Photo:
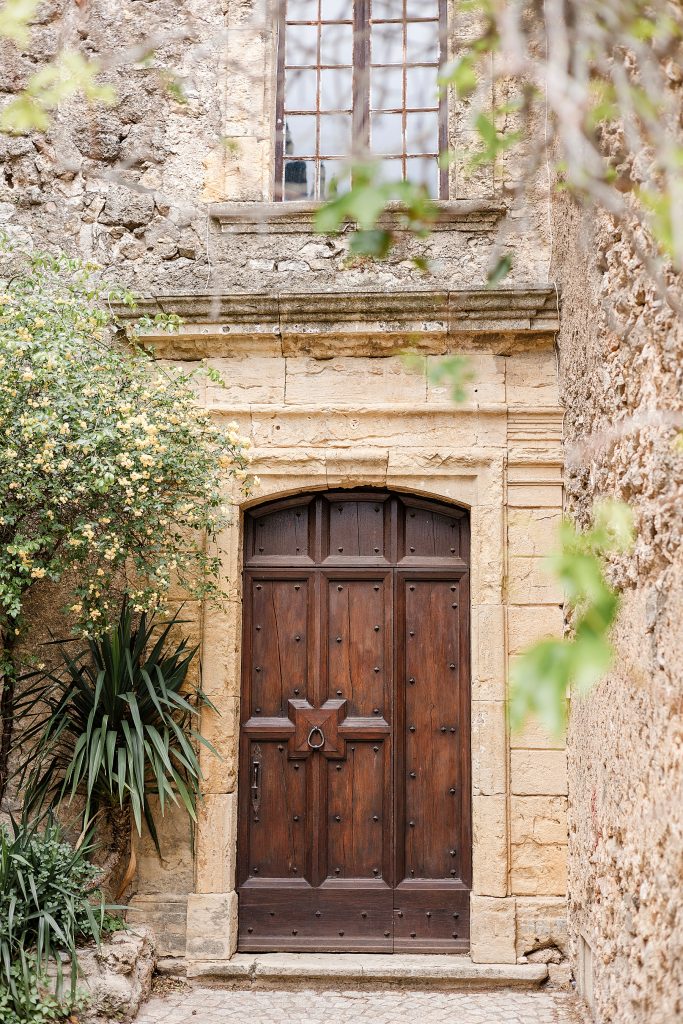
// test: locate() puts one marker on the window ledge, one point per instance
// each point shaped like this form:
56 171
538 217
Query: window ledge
297 218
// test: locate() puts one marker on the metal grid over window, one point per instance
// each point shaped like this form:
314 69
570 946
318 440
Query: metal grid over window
358 76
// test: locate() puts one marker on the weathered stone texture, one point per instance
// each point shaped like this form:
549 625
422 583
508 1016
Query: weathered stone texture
493 930
116 977
131 186
309 344
621 357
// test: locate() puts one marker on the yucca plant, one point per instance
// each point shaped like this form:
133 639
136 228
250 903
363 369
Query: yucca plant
115 725
44 911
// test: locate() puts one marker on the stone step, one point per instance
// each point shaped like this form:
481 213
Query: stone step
356 970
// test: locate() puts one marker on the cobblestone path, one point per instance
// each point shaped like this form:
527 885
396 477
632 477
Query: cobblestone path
211 1006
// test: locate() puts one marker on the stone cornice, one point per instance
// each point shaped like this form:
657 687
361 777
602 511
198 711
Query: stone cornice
297 218
357 323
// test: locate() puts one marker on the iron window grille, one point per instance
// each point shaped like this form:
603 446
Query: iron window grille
358 77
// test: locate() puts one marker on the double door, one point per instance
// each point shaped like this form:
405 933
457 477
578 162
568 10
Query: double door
355 820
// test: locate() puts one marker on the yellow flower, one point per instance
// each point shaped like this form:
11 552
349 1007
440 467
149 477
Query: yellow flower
37 574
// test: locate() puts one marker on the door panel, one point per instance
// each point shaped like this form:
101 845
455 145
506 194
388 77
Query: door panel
278 845
356 812
433 735
354 788
356 528
359 641
280 651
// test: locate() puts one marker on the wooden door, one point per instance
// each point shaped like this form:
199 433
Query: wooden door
355 820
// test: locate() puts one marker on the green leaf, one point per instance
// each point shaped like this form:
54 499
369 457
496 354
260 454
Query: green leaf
462 75
500 271
15 18
376 243
542 675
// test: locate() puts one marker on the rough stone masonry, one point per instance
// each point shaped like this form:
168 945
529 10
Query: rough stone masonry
172 197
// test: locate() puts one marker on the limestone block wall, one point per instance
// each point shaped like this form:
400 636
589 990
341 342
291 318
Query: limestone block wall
322 421
621 353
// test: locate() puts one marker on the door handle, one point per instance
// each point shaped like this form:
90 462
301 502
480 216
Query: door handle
321 734
255 785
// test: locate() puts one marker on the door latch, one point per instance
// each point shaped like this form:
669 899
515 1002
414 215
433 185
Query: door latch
256 780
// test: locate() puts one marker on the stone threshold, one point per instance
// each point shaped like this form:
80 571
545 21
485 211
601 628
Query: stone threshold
362 970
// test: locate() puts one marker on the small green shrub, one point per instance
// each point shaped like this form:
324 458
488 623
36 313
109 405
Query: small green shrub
32 1001
44 912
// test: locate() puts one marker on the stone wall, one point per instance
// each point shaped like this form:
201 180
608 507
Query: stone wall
621 359
323 421
173 198
136 186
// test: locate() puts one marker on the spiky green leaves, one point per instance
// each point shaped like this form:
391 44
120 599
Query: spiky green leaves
122 724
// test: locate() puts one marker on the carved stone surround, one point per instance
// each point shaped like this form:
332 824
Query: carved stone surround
500 455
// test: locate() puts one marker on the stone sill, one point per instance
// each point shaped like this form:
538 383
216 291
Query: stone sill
306 970
297 218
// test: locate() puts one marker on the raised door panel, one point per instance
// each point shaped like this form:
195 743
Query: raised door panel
433 786
280 620
279 826
282 536
358 812
357 634
356 529
428 535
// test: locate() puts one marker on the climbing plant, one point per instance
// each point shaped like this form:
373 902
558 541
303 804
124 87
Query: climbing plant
109 470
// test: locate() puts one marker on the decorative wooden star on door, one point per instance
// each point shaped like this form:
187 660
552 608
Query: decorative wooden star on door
326 729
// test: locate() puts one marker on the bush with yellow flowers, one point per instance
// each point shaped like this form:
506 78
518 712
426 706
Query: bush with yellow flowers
107 463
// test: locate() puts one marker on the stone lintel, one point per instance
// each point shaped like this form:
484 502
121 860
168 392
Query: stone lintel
376 323
298 217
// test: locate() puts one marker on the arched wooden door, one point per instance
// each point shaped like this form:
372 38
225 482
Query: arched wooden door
355 816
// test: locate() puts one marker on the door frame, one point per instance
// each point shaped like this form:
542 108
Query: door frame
476 483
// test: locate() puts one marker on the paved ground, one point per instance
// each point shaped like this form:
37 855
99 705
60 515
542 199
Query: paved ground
196 1006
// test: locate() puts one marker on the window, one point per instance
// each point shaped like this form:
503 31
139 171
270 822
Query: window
358 76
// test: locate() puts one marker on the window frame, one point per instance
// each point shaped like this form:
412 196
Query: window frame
361 102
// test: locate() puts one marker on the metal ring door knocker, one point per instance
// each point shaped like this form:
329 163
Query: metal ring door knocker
316 746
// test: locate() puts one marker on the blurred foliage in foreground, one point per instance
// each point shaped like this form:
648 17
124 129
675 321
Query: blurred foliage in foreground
541 679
